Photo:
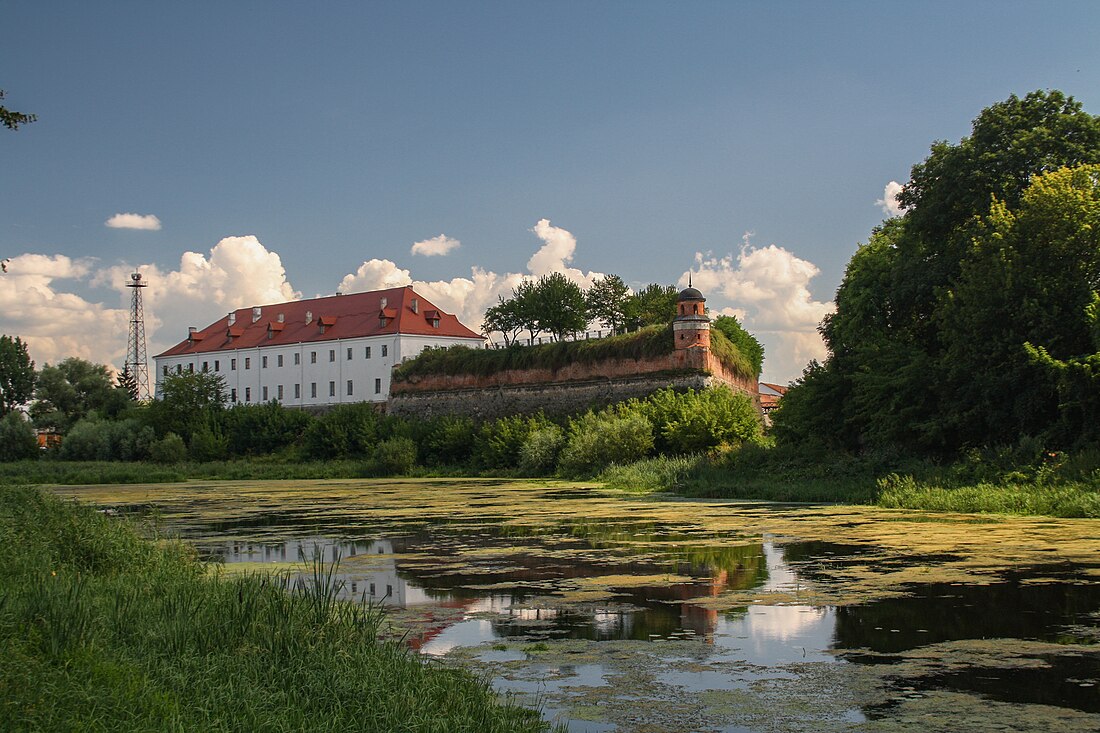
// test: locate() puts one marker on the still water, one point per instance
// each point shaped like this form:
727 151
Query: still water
617 613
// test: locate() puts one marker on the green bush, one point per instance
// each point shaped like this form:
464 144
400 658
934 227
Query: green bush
539 454
499 442
208 444
695 422
17 439
597 440
258 430
394 457
345 431
448 441
169 449
93 439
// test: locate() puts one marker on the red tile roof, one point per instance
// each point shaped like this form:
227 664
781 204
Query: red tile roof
777 387
343 316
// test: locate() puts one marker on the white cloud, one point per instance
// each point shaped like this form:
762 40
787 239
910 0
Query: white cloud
469 297
134 221
768 288
889 200
56 324
436 246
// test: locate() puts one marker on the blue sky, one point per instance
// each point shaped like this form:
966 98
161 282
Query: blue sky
334 135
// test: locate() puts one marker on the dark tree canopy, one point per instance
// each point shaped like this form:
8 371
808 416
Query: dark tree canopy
12 119
607 302
72 390
652 305
560 305
16 374
998 249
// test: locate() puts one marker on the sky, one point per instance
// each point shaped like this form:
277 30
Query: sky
245 153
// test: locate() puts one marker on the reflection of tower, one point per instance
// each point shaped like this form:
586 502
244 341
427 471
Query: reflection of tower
137 363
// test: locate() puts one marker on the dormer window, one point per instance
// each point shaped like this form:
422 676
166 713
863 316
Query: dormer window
432 317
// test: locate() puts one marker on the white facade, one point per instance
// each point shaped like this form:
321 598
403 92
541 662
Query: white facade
308 374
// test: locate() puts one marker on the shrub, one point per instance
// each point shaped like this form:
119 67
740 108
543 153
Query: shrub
17 439
448 441
499 441
394 457
92 439
539 454
169 449
597 440
208 444
695 422
262 429
347 430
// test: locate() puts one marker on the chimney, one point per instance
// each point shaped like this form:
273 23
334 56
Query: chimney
309 317
282 318
232 318
191 330
256 312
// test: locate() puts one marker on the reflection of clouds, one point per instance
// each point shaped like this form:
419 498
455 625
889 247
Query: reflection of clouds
465 633
783 623
780 575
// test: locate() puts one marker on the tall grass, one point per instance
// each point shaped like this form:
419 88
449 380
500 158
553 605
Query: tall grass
101 630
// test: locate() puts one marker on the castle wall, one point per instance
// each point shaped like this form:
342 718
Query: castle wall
570 389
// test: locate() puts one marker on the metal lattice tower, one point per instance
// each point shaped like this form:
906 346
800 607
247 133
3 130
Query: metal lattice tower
137 361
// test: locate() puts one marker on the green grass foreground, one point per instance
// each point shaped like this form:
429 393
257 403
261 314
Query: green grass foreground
101 630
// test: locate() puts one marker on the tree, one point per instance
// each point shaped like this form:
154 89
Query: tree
505 318
560 303
607 300
652 305
12 119
127 381
16 374
188 402
71 390
926 345
17 439
745 342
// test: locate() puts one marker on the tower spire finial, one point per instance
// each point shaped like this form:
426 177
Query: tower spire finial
689 278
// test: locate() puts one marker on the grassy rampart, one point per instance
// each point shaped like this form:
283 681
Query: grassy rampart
101 630
649 342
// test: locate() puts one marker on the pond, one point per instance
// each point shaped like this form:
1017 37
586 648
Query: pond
618 613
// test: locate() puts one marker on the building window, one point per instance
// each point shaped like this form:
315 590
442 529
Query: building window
332 389
179 368
247 394
205 367
232 365
368 352
279 360
265 393
332 354
165 370
297 358
349 353
263 362
297 391
372 589
349 388
313 389
378 386
233 395
191 367
248 362
217 365
280 392
385 350
313 357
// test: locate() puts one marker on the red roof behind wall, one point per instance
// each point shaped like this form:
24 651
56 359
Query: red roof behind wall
344 316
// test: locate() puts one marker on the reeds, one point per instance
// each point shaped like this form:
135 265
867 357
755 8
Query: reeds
101 630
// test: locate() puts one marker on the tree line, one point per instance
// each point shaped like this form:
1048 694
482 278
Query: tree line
973 319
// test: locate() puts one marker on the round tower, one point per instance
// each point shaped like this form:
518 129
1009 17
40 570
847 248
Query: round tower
691 327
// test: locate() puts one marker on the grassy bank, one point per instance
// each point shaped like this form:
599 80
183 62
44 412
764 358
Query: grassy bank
1021 480
102 630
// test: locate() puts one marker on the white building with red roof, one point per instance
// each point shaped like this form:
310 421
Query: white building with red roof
317 352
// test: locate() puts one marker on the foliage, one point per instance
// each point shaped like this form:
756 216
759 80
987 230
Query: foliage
169 449
597 440
500 441
506 318
127 381
96 439
539 454
997 249
607 302
17 439
346 430
12 119
560 305
74 389
102 630
448 441
262 428
188 401
653 305
745 342
208 443
16 374
695 422
394 457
